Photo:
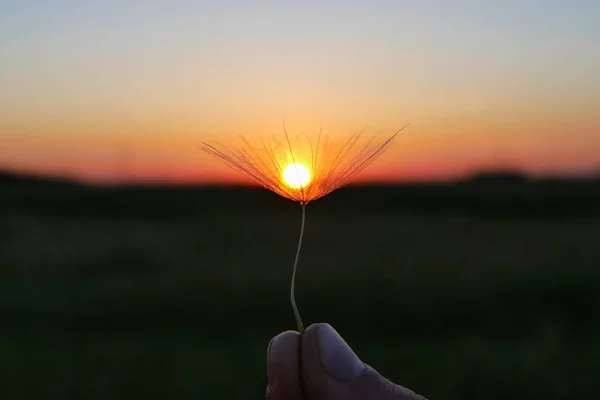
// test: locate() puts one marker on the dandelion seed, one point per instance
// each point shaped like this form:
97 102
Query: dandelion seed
301 171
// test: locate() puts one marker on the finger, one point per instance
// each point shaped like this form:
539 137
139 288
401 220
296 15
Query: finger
282 367
332 370
329 364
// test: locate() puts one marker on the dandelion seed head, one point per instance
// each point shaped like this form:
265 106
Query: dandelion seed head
300 168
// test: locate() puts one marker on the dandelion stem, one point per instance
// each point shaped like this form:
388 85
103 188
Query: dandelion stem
293 285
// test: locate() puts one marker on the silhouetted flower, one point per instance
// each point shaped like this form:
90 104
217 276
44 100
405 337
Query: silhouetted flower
300 170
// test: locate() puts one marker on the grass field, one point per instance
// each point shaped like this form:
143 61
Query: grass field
453 307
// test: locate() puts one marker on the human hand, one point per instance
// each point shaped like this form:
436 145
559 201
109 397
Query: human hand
330 370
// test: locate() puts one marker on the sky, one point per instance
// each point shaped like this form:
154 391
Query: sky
127 90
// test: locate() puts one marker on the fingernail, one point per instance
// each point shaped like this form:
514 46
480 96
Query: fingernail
336 356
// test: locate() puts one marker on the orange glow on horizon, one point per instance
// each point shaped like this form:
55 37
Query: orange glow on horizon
501 92
423 152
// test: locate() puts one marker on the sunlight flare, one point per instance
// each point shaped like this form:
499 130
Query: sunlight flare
296 176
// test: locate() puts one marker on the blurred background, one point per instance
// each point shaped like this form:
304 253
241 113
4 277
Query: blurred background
463 264
484 288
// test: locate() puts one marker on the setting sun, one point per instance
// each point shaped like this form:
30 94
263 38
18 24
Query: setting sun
296 176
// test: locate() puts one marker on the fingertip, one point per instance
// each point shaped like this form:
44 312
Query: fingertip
281 345
310 345
332 370
310 349
315 377
332 353
282 365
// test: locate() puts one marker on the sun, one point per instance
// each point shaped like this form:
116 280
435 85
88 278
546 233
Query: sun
296 176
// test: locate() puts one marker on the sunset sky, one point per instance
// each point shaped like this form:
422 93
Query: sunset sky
127 90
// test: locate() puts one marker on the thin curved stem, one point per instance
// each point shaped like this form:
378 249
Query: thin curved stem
293 285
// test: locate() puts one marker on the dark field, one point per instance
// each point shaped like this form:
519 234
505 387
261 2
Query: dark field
149 294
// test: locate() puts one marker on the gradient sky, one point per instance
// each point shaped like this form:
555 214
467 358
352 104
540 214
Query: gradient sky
120 90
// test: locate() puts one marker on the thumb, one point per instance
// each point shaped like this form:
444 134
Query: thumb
332 370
